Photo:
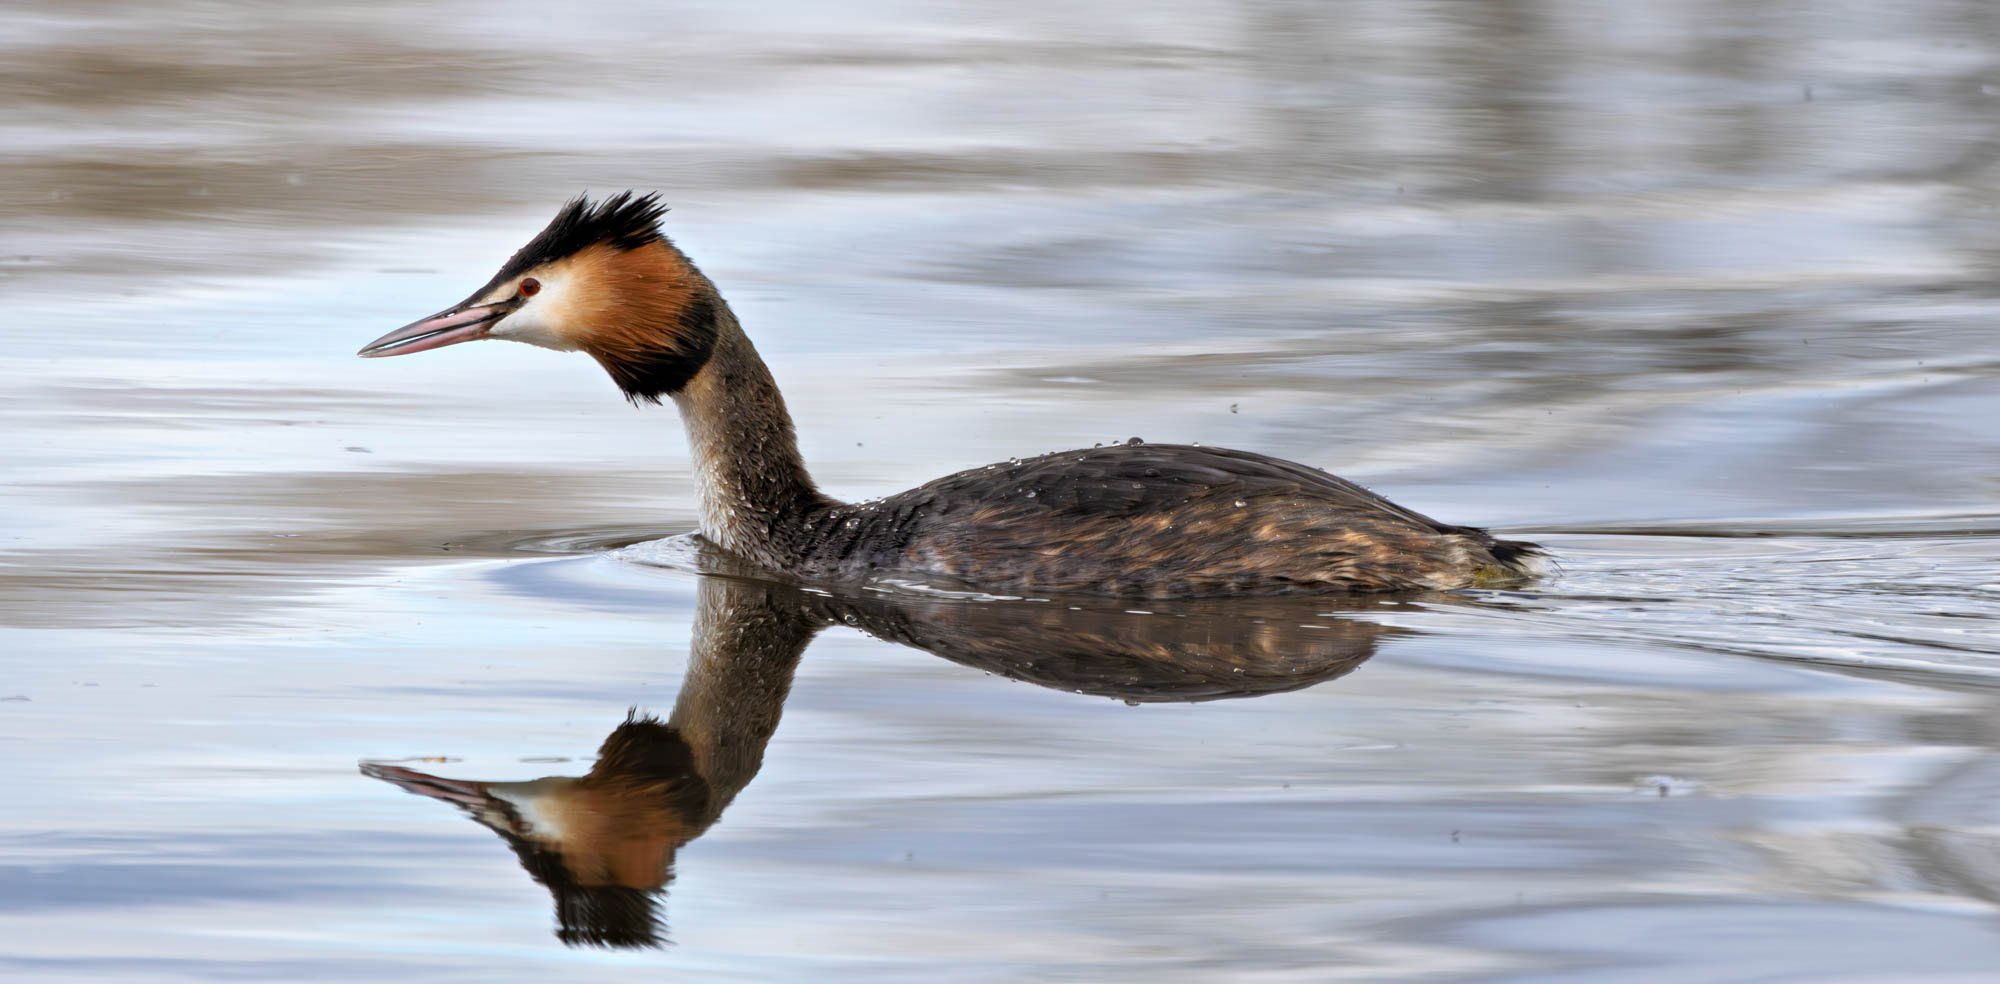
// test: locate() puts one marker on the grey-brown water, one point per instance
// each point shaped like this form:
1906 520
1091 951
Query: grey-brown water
1700 294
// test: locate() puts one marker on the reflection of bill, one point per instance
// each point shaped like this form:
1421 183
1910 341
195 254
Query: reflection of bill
603 843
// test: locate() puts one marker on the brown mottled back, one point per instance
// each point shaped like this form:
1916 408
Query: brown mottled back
1160 520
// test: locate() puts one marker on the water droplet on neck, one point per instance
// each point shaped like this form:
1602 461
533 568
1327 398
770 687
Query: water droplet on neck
1131 442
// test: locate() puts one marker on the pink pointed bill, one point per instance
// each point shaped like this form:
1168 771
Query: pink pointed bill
460 791
438 330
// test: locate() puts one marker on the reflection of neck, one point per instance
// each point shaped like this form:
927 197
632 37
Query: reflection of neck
755 493
747 640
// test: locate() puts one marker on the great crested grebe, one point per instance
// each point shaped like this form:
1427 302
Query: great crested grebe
1149 519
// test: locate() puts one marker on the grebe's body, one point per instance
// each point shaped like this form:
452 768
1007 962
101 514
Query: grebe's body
1147 519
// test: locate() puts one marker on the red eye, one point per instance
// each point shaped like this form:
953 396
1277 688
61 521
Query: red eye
530 287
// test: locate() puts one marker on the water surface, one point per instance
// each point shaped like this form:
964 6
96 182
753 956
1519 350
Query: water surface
1700 295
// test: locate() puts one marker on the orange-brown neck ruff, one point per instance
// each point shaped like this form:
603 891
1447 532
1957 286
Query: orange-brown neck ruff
653 318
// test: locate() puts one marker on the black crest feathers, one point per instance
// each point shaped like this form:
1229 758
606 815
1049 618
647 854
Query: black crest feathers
622 221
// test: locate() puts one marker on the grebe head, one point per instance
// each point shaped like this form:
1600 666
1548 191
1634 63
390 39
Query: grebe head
601 279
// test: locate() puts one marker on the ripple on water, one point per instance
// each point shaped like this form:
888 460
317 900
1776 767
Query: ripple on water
1896 600
1911 600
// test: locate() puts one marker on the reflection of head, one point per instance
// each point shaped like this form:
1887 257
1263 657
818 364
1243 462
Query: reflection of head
602 843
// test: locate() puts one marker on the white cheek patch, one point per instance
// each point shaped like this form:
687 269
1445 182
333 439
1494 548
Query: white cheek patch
526 325
535 806
537 321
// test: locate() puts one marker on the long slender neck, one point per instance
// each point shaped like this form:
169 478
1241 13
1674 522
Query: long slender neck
748 636
755 493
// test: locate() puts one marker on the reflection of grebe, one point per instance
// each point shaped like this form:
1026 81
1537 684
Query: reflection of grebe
1162 520
604 843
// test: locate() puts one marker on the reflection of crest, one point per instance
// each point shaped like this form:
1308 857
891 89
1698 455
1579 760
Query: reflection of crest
604 843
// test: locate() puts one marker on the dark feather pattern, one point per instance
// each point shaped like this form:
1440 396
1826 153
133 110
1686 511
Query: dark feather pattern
612 916
1184 651
623 221
1157 520
646 752
646 374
